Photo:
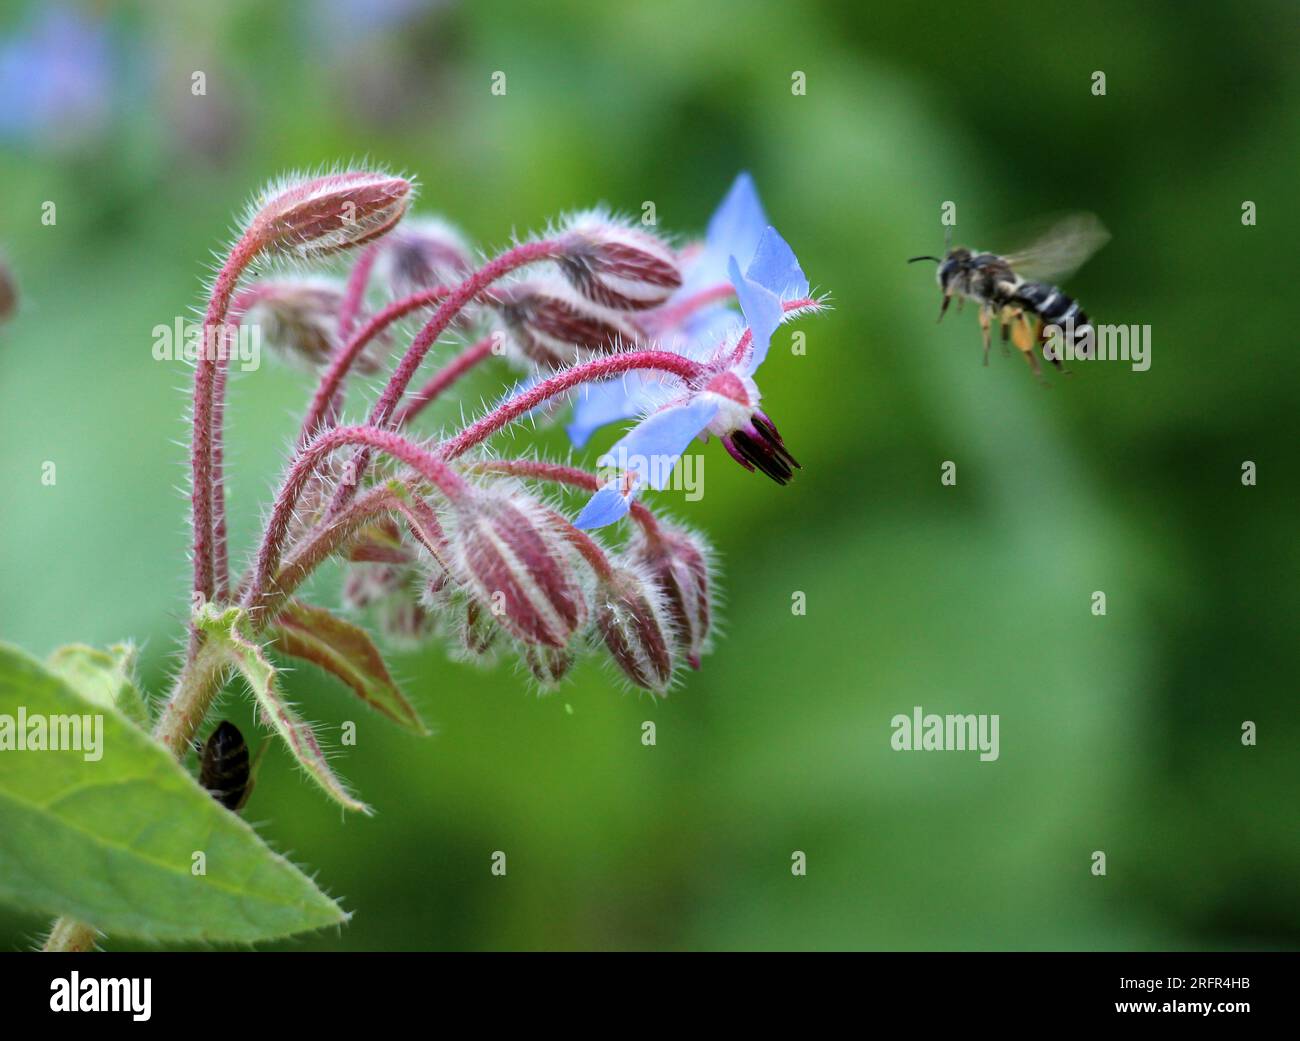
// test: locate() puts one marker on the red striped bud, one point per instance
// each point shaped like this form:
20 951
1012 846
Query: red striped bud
678 563
633 621
616 265
320 215
478 630
508 554
549 325
549 665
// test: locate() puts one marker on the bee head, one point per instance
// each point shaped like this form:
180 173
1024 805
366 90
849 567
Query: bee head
952 266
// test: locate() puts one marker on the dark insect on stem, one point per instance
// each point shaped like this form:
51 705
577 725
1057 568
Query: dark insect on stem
225 769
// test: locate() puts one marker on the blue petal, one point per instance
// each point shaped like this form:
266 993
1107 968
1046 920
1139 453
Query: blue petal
737 224
652 447
605 507
705 330
775 268
597 404
763 313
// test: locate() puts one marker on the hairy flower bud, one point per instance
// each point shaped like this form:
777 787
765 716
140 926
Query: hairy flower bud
616 265
365 585
321 215
421 254
478 631
549 665
634 623
509 555
8 292
549 325
678 563
405 622
381 543
299 321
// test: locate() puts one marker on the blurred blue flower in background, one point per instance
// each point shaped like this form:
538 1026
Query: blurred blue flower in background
56 79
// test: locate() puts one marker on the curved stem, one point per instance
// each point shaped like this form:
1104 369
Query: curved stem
343 360
596 369
304 465
528 253
586 546
558 473
442 379
674 314
207 419
355 290
319 545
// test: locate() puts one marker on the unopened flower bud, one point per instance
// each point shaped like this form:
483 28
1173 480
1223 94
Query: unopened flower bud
299 321
381 543
422 254
365 585
509 555
678 564
549 325
633 621
616 265
549 665
405 622
319 215
478 631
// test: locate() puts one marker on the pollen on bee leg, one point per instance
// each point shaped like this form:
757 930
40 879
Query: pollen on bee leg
1022 334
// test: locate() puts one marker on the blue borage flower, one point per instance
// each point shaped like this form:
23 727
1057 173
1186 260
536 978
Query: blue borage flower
724 399
734 230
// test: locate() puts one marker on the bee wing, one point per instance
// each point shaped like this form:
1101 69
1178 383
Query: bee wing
1064 248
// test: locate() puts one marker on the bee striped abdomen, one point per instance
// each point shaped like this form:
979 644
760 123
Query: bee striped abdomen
1053 307
224 768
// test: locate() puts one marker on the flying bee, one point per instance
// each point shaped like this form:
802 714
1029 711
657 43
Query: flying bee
225 769
1019 289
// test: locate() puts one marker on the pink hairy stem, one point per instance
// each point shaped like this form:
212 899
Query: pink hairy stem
205 504
674 314
354 293
455 302
596 369
557 473
309 456
442 379
343 360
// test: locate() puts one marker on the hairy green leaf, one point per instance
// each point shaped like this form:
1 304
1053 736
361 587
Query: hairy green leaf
229 629
315 635
113 832
103 677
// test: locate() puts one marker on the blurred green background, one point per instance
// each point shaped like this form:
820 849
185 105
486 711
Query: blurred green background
1120 733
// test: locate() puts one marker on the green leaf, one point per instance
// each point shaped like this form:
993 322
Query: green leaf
313 634
108 835
230 629
105 678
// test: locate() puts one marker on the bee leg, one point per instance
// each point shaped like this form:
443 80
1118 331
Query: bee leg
943 307
1005 320
1043 339
985 322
